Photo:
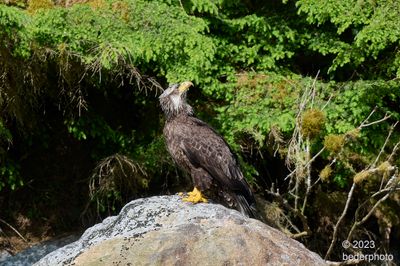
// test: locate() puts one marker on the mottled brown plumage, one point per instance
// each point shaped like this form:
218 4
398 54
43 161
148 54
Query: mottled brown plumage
203 153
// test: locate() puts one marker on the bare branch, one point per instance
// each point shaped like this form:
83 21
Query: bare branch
299 235
368 117
15 230
336 228
384 144
388 190
365 124
296 212
366 217
313 89
394 151
327 102
308 162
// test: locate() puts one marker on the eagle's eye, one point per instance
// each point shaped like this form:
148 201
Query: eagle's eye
171 90
173 100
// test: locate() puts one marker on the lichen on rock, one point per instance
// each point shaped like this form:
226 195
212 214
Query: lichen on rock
164 230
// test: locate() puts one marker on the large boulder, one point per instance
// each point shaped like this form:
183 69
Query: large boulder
31 255
166 231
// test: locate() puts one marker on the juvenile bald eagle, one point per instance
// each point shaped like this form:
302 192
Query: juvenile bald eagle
200 151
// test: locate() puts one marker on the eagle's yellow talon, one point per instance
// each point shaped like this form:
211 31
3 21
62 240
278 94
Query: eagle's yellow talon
195 197
180 194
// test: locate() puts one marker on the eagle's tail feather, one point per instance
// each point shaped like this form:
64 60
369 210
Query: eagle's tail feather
245 208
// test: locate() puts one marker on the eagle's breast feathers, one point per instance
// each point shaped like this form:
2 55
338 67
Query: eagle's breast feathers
203 153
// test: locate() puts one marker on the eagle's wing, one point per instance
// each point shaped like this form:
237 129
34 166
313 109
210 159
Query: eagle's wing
205 148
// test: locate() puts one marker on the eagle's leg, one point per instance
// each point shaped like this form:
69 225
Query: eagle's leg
195 196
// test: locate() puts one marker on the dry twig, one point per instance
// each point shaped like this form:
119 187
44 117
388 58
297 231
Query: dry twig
15 230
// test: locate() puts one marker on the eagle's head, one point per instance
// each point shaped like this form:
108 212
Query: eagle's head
173 100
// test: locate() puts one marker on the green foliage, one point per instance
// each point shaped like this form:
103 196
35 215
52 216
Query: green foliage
5 134
269 102
96 129
264 101
260 102
9 176
15 37
372 25
106 37
171 40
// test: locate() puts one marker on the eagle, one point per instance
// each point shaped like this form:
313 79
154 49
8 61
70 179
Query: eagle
201 152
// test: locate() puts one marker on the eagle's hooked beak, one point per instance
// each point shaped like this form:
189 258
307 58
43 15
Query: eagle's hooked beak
184 86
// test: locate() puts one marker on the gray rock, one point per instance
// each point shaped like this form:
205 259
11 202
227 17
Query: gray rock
166 231
31 255
4 255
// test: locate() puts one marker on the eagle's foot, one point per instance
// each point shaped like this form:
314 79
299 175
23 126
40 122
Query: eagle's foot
195 196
